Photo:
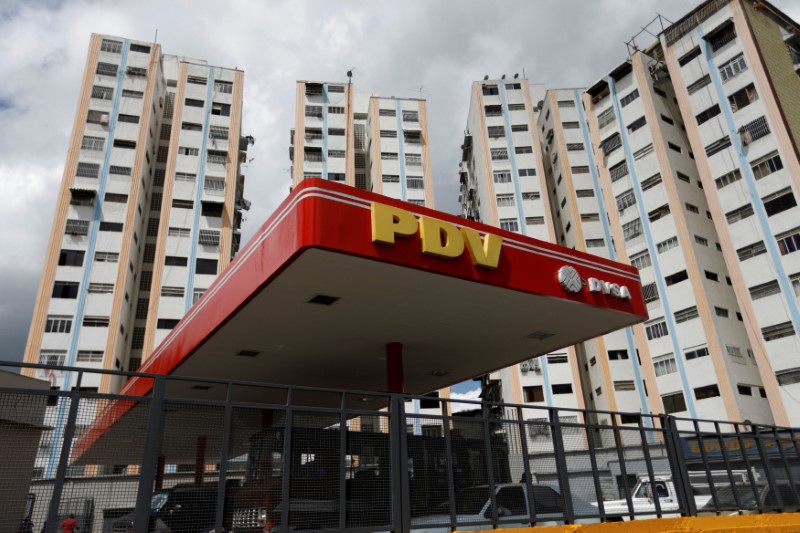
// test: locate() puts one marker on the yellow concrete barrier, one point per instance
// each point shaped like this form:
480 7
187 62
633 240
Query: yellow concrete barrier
766 523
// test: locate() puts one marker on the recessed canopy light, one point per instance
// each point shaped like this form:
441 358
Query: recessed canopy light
323 299
541 335
367 399
248 353
201 387
438 373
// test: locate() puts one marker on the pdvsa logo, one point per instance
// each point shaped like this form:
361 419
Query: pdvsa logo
573 283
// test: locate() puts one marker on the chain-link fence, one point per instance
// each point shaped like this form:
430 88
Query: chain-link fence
203 455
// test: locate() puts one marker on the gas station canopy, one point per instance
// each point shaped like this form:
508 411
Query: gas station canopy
320 290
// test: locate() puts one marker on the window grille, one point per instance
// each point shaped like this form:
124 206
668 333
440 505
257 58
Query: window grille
101 288
209 237
218 132
668 244
496 131
628 98
107 69
499 154
606 117
784 329
197 80
137 340
493 110
611 144
90 356
754 130
752 250
142 306
410 116
186 150
172 292
641 260
102 93
656 330
684 315
179 232
733 68
414 160
113 47
625 200
136 71
219 158
77 227
52 357
336 154
632 229
93 143
214 186
387 112
413 182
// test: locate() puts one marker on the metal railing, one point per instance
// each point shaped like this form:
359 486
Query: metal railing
197 454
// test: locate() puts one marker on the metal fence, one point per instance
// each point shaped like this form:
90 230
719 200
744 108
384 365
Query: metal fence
210 455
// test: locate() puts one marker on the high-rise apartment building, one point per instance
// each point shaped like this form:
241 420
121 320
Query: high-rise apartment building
694 346
734 67
369 142
148 212
503 184
682 160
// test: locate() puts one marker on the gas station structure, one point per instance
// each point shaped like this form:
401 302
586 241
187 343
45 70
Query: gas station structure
346 289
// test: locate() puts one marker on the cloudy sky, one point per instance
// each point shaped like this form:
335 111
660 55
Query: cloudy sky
434 48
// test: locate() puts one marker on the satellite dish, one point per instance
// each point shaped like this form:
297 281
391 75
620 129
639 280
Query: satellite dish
516 75
503 77
540 105
486 77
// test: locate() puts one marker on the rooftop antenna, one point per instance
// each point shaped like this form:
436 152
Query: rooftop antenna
155 39
350 75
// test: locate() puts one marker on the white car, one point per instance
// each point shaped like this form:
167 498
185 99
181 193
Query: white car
473 505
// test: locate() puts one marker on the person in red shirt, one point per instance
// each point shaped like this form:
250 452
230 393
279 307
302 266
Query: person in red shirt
69 525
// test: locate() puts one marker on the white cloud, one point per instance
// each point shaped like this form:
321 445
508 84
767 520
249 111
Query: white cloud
456 407
396 47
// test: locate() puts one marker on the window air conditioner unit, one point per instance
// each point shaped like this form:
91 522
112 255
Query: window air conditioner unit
524 367
104 119
536 366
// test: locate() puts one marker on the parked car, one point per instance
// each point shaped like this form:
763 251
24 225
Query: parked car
473 504
749 499
185 508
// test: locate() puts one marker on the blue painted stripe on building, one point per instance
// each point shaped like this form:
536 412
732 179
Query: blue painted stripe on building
401 151
662 288
612 254
94 226
198 194
511 157
548 389
787 293
324 131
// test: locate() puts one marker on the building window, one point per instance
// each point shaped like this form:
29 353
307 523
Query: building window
527 172
493 110
111 226
668 244
509 224
197 80
414 160
166 323
415 182
699 84
209 237
718 146
71 258
611 143
728 178
676 278
721 312
584 193
641 260
534 221
709 391
95 321
647 150
650 292
752 250
732 68
721 35
219 157
146 280
618 171
595 243
172 292
107 69
673 403
410 116
332 110
754 130
766 165
701 240
743 98
651 182
523 150
106 257
505 200
116 198
174 260
387 113
221 110
499 154
119 171
178 232
789 241
688 57
187 150
778 331
632 229
136 71
192 102
574 147
664 365
389 134
606 117
336 154
624 385
101 288
562 388
361 181
206 266
88 170
389 156
519 127
390 178
628 98
182 204
533 394
712 276
58 324
197 294
90 356
656 330
697 353
741 213
113 47
636 124
625 200
102 93
502 176
52 357
530 196
615 355
779 202
788 377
